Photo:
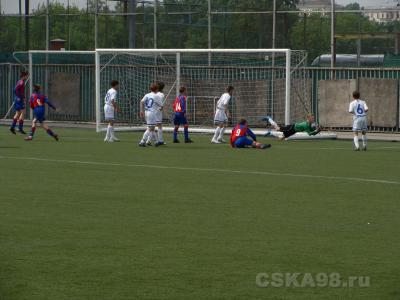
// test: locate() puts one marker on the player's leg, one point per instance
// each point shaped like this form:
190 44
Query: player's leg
145 137
274 125
112 132
49 131
160 135
364 140
260 145
356 143
15 120
177 123
217 132
21 121
186 130
32 131
221 133
287 131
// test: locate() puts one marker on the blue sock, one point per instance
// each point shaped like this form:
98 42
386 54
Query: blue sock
50 132
14 123
21 125
32 132
175 134
186 132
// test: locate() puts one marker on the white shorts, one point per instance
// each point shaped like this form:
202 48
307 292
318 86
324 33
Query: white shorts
159 116
220 116
151 118
360 124
109 112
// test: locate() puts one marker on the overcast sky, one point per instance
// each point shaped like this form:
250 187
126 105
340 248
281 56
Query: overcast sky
11 6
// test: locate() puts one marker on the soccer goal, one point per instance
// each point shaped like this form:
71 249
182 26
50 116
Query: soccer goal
267 82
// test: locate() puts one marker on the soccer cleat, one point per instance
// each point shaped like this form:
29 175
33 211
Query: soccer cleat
364 148
214 141
222 141
142 145
158 144
21 131
114 139
265 146
356 149
106 139
28 138
149 144
268 133
12 129
176 141
266 118
188 141
56 137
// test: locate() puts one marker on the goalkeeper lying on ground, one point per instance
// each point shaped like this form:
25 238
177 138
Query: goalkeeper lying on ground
308 126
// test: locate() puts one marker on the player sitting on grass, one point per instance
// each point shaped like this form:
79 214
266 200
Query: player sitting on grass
221 116
110 107
149 105
19 104
359 110
37 103
239 137
309 126
159 115
180 116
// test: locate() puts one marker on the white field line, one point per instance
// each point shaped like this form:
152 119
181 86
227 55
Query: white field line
210 170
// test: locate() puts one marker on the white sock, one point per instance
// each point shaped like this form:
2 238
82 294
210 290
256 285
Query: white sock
112 135
221 133
145 136
148 136
272 122
160 135
356 142
364 140
108 134
154 136
216 134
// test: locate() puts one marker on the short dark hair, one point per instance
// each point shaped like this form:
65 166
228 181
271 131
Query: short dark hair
114 83
182 89
36 87
229 88
356 95
242 121
23 74
153 87
160 85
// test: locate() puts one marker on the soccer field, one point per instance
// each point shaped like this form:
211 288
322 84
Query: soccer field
84 219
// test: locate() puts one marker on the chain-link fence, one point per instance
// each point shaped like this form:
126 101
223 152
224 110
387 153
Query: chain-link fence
295 24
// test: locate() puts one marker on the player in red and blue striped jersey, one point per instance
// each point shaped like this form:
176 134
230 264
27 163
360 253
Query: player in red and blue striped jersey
180 116
38 103
240 134
19 104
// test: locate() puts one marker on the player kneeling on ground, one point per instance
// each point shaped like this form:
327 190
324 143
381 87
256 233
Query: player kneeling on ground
309 126
359 110
37 103
239 137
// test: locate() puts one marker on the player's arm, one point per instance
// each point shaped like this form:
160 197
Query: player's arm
251 134
366 107
115 104
47 101
142 106
351 108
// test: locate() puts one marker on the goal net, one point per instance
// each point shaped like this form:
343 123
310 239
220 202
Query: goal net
267 82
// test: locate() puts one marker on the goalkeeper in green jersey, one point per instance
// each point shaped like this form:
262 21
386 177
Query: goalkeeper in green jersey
309 126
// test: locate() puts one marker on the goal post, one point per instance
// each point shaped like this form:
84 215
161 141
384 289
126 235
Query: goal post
267 82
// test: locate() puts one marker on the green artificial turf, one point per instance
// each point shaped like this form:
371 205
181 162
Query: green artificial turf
84 219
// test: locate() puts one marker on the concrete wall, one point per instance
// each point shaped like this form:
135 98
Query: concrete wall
334 97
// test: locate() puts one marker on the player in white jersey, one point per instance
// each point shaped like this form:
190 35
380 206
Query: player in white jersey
110 107
221 116
149 106
159 116
359 110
